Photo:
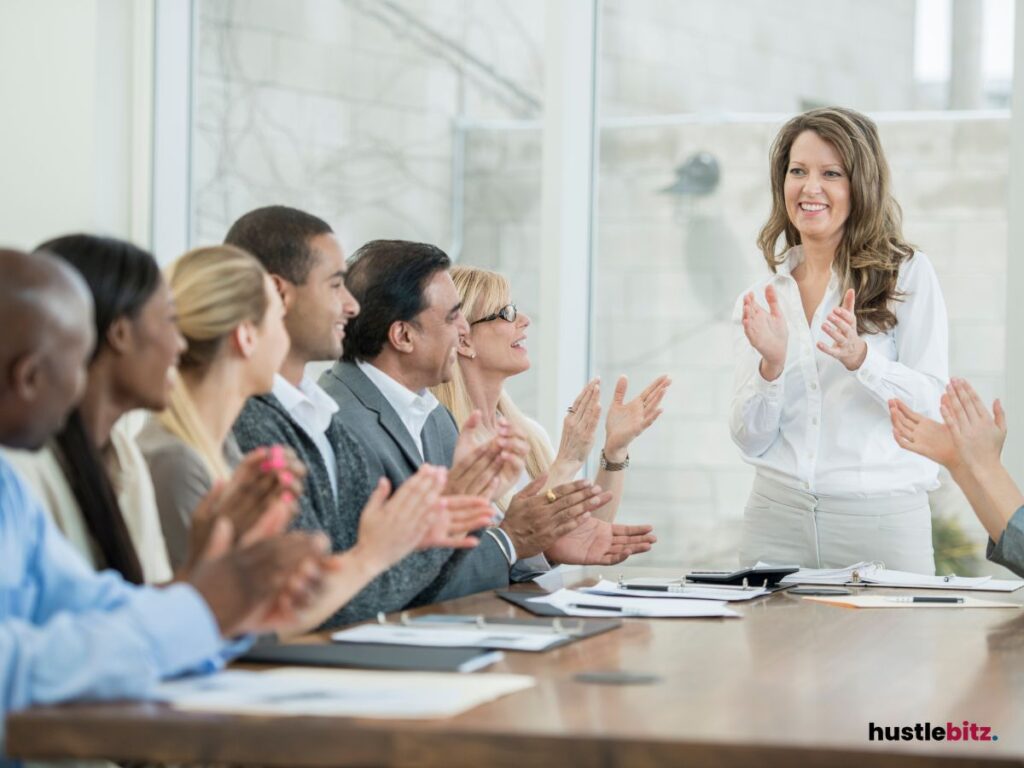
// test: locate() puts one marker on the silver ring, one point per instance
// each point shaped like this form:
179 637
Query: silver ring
570 409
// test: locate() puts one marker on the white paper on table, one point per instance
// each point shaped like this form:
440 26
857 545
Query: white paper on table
686 591
885 577
883 601
833 576
557 577
339 692
872 575
639 607
505 637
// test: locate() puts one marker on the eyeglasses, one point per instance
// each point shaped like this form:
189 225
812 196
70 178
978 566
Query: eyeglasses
509 313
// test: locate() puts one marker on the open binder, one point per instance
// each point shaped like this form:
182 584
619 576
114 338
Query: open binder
875 574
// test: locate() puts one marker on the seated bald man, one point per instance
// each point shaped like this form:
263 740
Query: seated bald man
67 632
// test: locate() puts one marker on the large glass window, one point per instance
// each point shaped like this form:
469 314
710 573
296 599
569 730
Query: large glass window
381 116
423 119
692 94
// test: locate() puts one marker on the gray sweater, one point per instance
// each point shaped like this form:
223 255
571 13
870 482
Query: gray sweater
264 421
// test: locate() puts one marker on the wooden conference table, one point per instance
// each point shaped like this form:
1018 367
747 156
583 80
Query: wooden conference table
791 683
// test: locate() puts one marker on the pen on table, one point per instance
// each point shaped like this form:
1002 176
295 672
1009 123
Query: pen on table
654 587
922 599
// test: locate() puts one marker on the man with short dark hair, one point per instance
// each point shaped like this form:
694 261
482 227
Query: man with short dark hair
305 261
67 632
284 238
404 342
306 264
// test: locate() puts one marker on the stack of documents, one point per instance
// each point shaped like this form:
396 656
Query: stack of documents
673 588
574 602
875 575
339 693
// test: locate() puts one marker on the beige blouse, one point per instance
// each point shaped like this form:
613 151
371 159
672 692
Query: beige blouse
130 477
180 481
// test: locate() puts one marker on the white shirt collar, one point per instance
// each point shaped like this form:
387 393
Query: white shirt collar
413 408
307 402
794 258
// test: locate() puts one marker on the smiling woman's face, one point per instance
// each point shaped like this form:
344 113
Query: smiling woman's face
817 190
500 345
143 373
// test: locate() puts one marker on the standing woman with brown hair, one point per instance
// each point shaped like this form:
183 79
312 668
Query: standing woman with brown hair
851 317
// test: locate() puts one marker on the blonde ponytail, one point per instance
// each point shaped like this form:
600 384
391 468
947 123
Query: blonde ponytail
215 290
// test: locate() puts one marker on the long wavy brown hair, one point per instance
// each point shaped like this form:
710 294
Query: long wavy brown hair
872 247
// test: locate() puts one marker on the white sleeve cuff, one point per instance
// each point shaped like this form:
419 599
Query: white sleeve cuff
871 370
769 390
505 544
529 568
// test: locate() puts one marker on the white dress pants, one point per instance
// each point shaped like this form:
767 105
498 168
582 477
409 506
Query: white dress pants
784 525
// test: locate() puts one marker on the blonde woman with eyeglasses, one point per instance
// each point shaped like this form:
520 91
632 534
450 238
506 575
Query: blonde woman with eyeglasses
494 351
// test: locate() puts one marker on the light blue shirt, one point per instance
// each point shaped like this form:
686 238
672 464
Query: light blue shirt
67 632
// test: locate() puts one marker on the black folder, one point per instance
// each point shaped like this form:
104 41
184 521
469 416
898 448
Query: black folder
372 656
522 599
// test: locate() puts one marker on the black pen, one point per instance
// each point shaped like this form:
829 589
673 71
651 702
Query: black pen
654 587
916 599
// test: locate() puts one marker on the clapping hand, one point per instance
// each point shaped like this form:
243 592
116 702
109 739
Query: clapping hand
978 434
597 542
259 500
627 421
923 436
849 348
767 332
580 425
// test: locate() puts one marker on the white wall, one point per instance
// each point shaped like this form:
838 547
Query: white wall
72 135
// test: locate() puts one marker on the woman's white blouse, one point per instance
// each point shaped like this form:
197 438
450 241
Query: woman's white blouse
824 429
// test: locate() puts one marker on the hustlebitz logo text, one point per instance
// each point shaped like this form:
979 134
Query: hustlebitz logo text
963 731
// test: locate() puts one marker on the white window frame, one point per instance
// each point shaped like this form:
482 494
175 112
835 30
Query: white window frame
568 185
1013 454
170 218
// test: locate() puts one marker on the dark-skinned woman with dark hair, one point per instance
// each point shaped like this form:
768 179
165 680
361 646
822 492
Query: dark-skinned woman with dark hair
92 475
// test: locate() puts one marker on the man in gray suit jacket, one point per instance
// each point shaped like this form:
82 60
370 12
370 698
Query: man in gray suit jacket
308 268
388 449
403 342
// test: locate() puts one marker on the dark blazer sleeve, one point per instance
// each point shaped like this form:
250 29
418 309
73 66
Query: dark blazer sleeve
468 571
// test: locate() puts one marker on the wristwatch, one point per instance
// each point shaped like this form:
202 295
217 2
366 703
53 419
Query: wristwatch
613 466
